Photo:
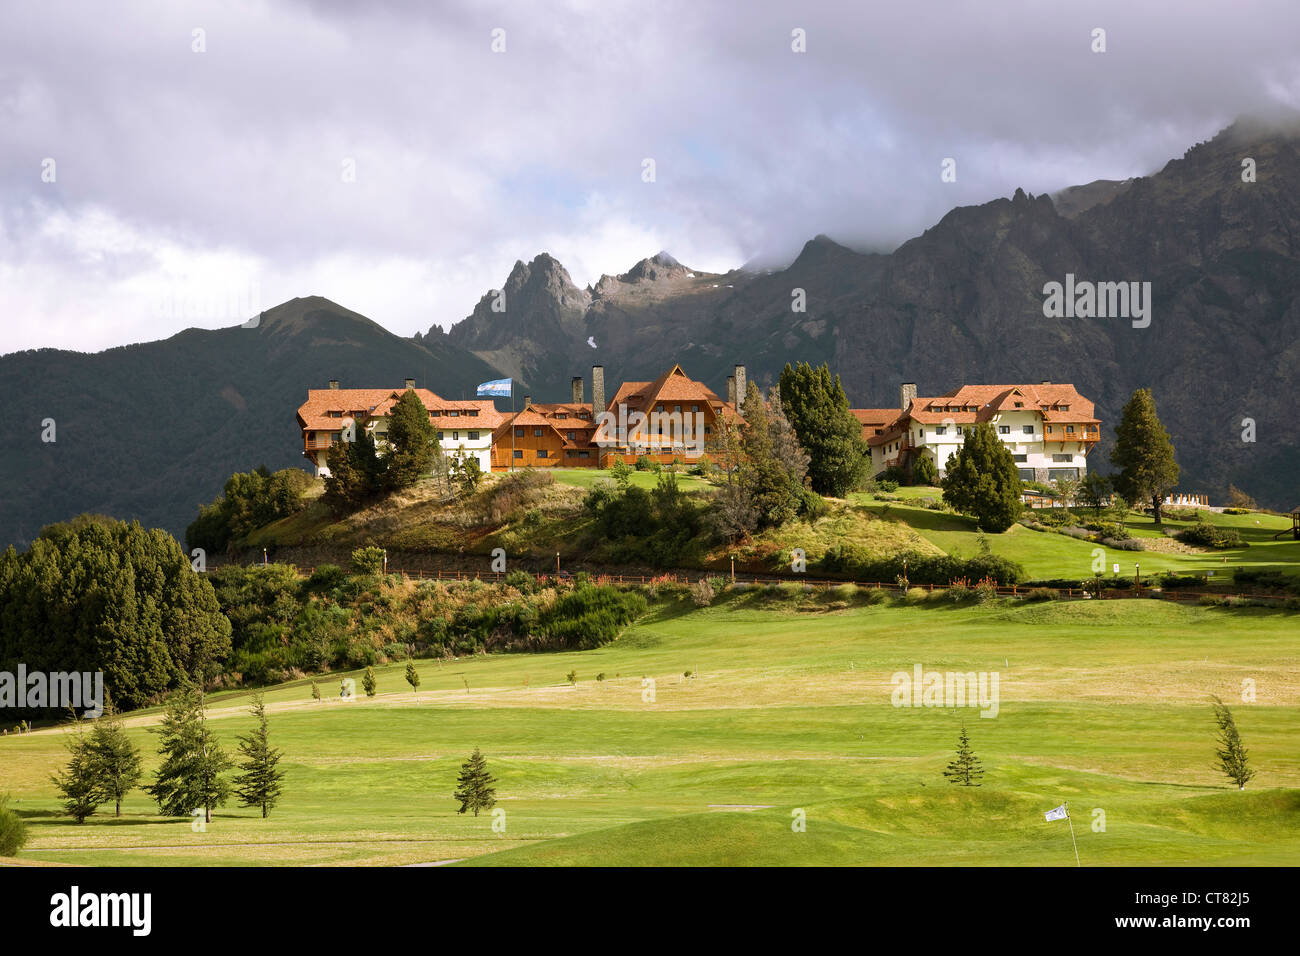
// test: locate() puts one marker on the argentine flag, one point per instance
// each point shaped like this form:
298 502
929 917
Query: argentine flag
1057 814
501 386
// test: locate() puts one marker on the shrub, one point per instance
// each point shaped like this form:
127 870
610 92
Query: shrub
916 596
326 578
643 462
1210 536
1127 544
368 560
1041 594
702 593
876 596
13 831
521 581
888 486
986 590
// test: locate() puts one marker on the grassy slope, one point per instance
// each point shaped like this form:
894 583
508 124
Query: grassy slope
1102 704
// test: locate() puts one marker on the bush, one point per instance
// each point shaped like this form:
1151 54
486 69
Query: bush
1127 544
937 569
1041 594
521 581
917 595
888 486
643 463
702 593
13 831
325 578
368 560
1208 535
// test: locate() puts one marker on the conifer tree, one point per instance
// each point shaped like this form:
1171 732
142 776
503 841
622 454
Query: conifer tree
190 776
1231 753
965 768
315 691
1144 454
78 781
819 411
368 682
413 439
115 759
982 480
475 791
259 785
413 676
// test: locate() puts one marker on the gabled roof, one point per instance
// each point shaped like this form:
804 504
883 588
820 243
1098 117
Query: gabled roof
674 387
379 402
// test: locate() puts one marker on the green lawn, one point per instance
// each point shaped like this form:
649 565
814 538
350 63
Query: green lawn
587 478
1104 704
1050 555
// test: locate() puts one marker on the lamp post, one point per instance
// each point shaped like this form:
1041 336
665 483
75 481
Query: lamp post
264 556
557 562
1137 576
385 560
733 568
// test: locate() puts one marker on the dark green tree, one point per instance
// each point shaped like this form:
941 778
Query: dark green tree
924 471
965 768
368 682
1144 454
475 791
116 761
413 442
190 776
13 831
95 594
1231 753
818 410
774 491
982 480
466 472
357 472
260 782
78 781
413 676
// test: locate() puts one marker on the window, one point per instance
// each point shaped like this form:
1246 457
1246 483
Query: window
1026 474
920 433
1021 458
1020 404
1028 429
938 430
879 431
473 436
677 408
659 408
519 453
1062 458
1004 429
572 436
1055 473
708 430
537 433
455 436
584 454
542 453
472 414
453 413
1065 408
695 408
519 433
1069 429
439 436
1049 429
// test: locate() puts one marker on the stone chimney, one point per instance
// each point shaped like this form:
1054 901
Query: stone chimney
528 400
576 386
742 387
334 383
597 389
1045 382
731 390
410 383
906 392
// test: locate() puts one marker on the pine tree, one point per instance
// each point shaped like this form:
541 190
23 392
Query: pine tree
965 768
78 781
819 411
1144 454
259 785
315 691
1232 754
190 776
413 439
115 759
368 682
924 471
774 491
475 791
413 676
982 480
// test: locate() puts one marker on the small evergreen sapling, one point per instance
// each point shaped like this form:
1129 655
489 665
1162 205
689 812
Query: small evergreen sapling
1231 753
78 781
475 791
413 676
115 759
965 768
368 682
260 783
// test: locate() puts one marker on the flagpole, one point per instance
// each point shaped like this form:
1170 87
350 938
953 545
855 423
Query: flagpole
512 424
1070 821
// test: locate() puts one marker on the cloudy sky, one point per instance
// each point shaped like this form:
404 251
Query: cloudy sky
210 160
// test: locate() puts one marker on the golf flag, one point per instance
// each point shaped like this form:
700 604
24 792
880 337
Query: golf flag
500 386
1057 814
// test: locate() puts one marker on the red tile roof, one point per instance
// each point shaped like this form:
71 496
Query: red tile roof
314 414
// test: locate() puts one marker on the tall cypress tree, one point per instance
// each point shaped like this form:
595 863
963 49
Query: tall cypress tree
475 791
115 759
259 785
819 411
965 768
413 439
982 480
1144 454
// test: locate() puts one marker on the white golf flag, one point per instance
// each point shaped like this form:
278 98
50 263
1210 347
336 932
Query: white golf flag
1057 814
